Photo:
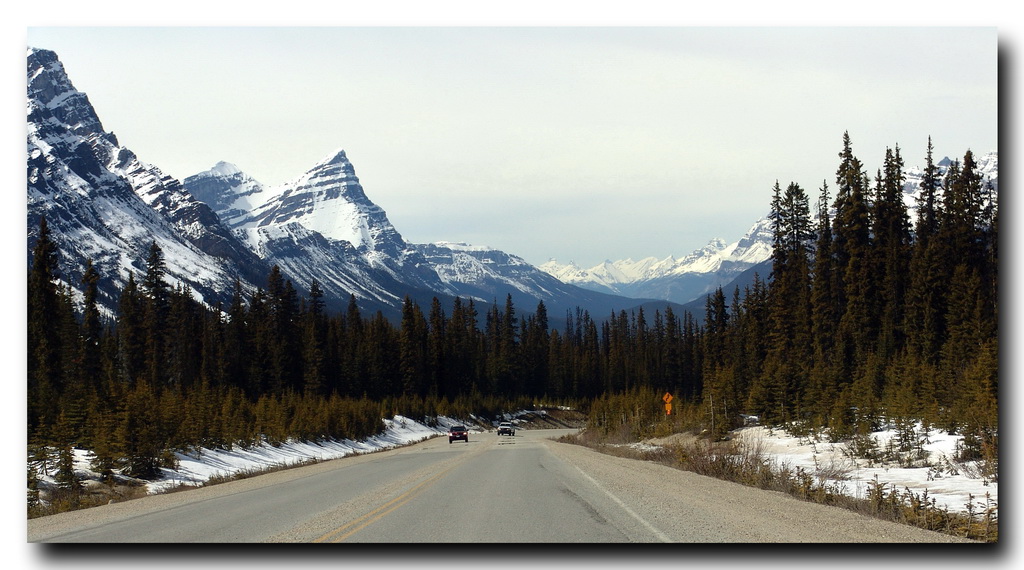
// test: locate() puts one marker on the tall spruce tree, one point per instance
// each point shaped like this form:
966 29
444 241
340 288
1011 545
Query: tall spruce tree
283 334
789 349
236 341
438 352
44 382
925 313
413 350
460 353
825 311
92 329
314 333
856 331
131 333
892 246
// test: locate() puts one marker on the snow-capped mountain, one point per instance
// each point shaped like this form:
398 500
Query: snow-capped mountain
489 274
677 280
320 226
105 204
102 203
718 263
229 191
987 166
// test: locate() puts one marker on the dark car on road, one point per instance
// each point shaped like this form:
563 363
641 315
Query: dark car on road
458 432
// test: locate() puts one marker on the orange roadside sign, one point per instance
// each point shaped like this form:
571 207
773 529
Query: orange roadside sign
668 409
667 397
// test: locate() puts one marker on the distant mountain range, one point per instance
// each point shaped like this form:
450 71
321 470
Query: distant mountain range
103 203
677 280
717 264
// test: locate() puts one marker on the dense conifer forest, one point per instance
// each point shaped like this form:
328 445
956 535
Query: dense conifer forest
867 315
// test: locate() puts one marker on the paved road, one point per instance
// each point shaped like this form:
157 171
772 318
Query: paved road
526 488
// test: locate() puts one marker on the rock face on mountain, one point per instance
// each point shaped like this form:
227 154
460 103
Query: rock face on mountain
321 226
102 203
480 272
227 190
676 280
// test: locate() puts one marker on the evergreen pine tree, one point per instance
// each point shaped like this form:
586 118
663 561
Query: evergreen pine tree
131 335
789 348
927 280
92 329
892 246
43 341
313 346
459 354
139 432
236 332
438 352
857 328
64 440
825 311
156 308
353 367
413 350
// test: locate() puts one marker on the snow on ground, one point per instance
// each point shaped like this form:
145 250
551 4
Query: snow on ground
952 490
197 468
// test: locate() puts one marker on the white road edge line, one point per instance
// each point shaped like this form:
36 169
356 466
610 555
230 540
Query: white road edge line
661 536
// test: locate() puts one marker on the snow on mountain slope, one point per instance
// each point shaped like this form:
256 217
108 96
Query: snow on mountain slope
488 275
102 203
320 226
480 269
105 204
330 200
323 225
229 191
714 265
703 270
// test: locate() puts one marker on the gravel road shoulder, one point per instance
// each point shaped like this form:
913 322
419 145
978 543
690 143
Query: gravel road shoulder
693 508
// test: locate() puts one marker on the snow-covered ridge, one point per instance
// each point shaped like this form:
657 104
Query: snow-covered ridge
327 199
462 246
753 248
717 260
103 203
987 167
225 169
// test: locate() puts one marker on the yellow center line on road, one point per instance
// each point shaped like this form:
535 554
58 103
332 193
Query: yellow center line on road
347 530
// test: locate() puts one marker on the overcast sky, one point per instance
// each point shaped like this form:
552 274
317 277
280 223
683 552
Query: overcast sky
577 143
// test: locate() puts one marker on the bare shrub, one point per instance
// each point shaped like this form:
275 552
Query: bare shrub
834 469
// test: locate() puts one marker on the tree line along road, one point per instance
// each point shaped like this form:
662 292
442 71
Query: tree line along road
522 488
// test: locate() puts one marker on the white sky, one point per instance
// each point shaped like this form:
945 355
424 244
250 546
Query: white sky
580 143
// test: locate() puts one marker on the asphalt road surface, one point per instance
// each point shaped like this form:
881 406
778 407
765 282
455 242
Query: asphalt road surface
522 488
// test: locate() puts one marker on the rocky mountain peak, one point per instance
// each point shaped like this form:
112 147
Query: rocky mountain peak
329 199
225 169
53 99
102 203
